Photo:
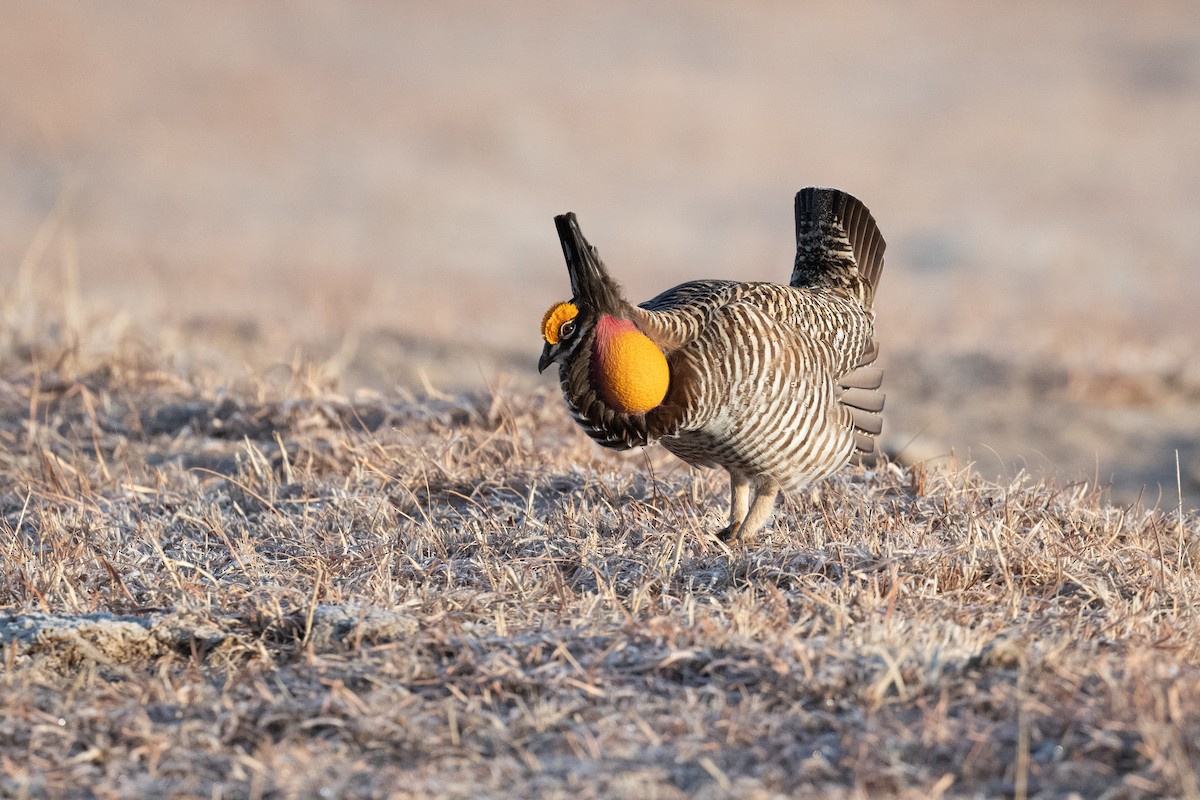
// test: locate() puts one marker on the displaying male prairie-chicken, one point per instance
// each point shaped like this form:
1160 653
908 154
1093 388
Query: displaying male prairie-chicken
773 383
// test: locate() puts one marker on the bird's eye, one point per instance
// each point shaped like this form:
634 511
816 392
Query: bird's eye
566 329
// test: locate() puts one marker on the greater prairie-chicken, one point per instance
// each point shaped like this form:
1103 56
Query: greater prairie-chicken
773 383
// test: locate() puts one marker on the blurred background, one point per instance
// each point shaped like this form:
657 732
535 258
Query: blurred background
371 186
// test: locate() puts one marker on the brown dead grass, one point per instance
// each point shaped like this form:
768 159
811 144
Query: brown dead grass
275 591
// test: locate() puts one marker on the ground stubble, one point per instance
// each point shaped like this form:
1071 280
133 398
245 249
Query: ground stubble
279 591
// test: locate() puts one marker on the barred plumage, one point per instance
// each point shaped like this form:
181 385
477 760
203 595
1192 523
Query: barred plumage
772 383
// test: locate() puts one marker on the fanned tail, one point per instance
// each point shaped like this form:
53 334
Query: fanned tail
838 244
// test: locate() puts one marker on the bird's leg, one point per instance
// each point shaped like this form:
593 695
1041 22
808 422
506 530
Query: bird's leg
739 504
760 511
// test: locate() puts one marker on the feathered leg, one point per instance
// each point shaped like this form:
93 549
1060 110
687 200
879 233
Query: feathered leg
747 519
761 508
739 505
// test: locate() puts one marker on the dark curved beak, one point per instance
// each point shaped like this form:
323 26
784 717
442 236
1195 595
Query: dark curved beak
547 357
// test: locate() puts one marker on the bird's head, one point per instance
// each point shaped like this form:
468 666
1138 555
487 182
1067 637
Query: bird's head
626 367
561 331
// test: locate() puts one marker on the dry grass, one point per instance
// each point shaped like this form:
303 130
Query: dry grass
274 591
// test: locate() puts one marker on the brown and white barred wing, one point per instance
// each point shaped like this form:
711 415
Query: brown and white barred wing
675 317
763 400
841 331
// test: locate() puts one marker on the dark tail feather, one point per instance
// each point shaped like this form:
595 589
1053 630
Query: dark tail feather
591 284
838 244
